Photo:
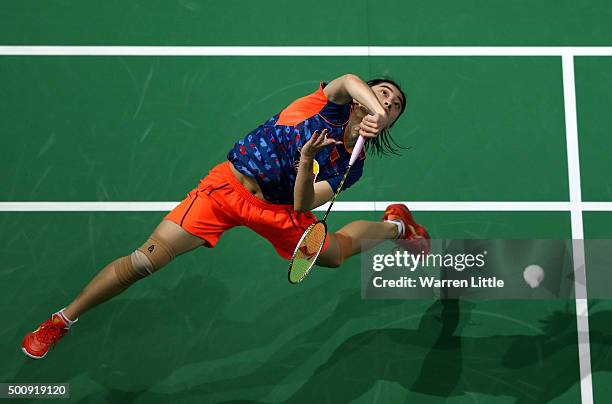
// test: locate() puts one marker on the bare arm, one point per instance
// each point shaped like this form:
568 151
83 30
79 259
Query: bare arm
350 87
307 194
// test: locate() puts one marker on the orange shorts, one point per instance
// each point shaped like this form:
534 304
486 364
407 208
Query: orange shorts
221 202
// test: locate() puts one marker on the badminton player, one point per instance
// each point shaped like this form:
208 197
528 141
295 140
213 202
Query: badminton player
271 180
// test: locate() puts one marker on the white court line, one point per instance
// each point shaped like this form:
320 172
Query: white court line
573 169
305 50
361 206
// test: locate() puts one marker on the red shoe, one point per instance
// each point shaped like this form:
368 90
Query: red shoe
415 238
36 343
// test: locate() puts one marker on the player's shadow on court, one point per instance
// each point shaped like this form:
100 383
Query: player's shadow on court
435 360
126 359
432 360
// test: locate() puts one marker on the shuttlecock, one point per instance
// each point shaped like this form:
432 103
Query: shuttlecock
533 275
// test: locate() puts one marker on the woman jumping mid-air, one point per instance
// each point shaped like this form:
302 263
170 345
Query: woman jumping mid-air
270 182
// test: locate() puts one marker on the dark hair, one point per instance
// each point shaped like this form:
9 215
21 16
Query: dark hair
384 144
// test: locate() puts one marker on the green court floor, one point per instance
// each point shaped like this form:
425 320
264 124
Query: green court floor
223 325
216 326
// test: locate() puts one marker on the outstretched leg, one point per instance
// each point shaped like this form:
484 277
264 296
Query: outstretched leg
123 272
167 241
361 235
354 238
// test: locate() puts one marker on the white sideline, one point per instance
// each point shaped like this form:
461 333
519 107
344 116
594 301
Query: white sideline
62 50
363 206
580 285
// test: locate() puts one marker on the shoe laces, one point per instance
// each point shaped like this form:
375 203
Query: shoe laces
50 332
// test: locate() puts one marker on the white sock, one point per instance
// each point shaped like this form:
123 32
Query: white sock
66 319
400 227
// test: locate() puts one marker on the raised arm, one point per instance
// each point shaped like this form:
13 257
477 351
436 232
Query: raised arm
350 87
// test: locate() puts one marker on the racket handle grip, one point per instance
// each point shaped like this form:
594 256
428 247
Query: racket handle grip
357 150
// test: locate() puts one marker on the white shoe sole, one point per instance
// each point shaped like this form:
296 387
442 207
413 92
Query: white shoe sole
32 356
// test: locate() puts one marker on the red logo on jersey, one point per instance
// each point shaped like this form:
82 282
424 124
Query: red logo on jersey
334 155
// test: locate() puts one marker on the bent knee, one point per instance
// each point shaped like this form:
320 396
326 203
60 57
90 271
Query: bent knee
343 249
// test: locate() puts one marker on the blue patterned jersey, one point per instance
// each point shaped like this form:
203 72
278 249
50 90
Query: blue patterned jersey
270 153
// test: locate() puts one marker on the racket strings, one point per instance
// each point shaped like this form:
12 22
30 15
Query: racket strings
312 242
307 252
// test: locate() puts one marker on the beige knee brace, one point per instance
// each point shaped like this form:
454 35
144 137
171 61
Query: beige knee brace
150 257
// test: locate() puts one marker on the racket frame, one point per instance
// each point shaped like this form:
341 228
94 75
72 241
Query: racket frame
315 256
